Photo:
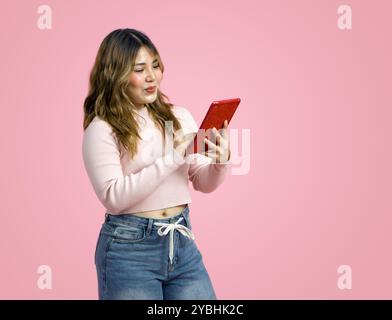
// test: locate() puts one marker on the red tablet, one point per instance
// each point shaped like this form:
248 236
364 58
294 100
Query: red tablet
218 112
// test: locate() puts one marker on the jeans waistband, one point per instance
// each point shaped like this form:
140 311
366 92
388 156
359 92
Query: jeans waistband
165 226
131 219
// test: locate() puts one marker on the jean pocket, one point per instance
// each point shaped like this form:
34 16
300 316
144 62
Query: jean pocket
129 234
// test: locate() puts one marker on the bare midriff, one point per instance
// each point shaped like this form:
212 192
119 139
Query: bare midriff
161 213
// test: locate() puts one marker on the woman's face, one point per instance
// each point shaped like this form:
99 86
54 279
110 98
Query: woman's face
146 73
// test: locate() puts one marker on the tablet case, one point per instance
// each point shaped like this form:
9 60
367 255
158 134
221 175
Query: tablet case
218 112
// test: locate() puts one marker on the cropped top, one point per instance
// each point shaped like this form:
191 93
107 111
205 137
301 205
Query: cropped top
154 179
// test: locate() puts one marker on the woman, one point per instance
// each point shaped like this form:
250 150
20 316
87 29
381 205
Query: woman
145 249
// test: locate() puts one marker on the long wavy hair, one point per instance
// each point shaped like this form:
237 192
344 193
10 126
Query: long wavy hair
108 95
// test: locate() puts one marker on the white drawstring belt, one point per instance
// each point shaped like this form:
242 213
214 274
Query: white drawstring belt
166 227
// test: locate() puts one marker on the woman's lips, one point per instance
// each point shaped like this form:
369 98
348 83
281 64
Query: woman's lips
151 90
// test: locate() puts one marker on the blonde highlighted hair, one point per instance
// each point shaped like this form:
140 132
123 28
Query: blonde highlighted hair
108 96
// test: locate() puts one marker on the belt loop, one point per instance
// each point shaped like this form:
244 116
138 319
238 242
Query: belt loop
149 227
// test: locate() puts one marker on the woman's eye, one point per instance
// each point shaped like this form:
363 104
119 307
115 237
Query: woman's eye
143 69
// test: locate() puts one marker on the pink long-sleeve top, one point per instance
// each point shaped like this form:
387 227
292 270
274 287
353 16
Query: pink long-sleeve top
156 178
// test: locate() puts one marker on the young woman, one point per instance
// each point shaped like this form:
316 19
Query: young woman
145 249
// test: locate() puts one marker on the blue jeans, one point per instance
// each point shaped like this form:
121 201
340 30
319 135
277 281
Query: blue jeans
150 259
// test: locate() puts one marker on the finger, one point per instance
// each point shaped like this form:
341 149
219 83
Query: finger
216 149
178 132
191 135
220 141
213 156
224 131
215 132
210 144
179 135
178 140
184 144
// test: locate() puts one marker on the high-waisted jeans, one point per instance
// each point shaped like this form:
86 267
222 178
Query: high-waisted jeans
150 259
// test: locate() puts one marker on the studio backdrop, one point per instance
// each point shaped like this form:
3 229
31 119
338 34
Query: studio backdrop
305 210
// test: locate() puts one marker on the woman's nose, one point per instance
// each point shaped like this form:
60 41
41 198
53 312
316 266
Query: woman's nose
151 75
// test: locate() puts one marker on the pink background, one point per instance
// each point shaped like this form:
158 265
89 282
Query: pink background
315 98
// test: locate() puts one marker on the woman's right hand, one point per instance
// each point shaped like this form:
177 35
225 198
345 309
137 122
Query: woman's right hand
182 141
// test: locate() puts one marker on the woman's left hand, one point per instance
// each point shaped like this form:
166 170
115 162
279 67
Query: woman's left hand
221 150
